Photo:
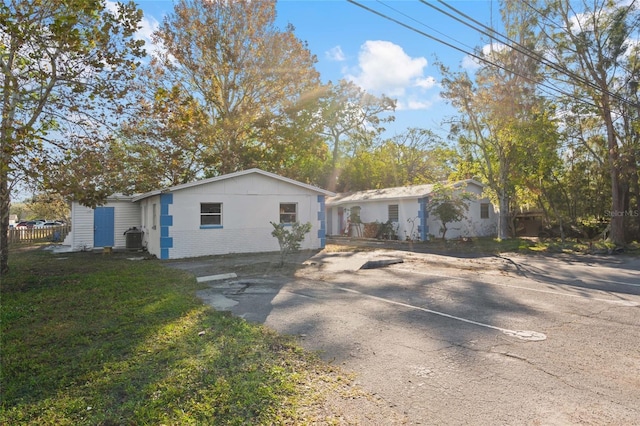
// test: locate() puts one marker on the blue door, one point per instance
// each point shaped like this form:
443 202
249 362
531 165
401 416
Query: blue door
103 227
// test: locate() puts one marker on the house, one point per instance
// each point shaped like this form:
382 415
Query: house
405 210
103 226
224 214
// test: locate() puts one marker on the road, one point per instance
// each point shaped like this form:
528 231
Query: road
510 340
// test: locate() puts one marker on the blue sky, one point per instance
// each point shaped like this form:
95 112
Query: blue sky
380 56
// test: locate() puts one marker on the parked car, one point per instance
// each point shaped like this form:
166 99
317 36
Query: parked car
28 224
47 224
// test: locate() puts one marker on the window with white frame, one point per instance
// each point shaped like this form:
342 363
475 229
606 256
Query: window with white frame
288 212
393 213
210 214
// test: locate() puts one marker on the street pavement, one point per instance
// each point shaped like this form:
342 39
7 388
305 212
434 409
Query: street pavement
509 339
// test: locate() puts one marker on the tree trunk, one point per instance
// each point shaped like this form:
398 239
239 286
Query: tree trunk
503 217
617 193
5 202
335 173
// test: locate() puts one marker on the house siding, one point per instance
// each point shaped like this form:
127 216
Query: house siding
81 234
249 203
472 225
414 220
126 215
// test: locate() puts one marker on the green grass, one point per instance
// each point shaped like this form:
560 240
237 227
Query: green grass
88 339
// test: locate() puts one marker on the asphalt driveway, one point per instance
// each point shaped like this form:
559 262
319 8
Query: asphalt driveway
489 340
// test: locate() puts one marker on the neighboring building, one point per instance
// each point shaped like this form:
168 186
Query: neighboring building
405 208
220 215
528 223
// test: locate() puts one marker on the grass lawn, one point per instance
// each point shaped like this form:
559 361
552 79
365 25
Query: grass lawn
88 339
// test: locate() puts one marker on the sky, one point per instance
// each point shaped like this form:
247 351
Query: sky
381 56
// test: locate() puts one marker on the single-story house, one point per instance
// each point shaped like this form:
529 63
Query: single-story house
405 209
224 214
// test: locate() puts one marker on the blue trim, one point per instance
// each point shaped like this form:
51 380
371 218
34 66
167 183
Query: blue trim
211 227
423 214
166 222
322 217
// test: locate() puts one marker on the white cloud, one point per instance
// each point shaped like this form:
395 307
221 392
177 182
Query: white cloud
426 83
148 25
335 54
384 67
471 63
413 104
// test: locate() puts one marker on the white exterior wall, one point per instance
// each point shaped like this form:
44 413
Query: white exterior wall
249 203
126 215
473 225
81 235
408 217
378 211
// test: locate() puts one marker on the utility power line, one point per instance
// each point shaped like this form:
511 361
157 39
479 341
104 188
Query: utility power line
466 52
502 39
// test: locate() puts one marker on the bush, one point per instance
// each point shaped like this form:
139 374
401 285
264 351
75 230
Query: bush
289 240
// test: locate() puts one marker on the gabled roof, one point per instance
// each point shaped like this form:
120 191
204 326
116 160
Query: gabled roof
231 176
396 193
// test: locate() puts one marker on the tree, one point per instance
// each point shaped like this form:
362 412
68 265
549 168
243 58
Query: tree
448 204
218 97
64 67
289 240
348 118
48 206
590 43
413 157
496 105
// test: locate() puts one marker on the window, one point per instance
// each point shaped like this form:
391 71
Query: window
484 211
211 214
393 213
288 212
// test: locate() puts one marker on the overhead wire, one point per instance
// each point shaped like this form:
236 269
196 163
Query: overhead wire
459 49
544 17
513 44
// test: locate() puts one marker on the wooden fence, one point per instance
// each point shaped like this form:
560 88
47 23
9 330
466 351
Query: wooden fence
54 234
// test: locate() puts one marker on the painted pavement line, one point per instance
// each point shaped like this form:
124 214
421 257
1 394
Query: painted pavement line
520 334
557 293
